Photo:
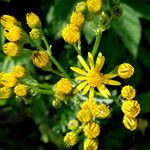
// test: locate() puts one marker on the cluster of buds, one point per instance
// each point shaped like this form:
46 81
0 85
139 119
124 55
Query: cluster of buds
62 90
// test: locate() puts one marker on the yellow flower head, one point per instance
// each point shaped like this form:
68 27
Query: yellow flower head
40 59
125 70
91 130
77 19
13 34
8 80
18 71
81 6
90 144
20 90
84 116
35 34
63 86
131 108
11 49
33 20
70 139
93 78
128 92
130 123
94 6
73 125
5 92
8 21
71 34
104 111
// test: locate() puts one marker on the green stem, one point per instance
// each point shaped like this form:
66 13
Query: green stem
77 49
55 72
97 42
41 91
47 45
45 86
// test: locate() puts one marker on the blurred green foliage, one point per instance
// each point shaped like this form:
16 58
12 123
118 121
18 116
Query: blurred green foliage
38 125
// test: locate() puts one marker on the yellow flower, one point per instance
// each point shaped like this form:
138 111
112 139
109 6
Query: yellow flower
128 92
13 34
33 20
40 59
21 90
71 34
18 71
94 6
8 80
130 123
90 144
104 111
131 108
84 116
63 86
5 92
81 6
8 21
11 49
35 34
125 70
91 130
77 19
73 125
93 78
70 139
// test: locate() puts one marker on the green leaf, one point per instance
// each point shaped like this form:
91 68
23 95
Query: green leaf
144 102
129 29
141 7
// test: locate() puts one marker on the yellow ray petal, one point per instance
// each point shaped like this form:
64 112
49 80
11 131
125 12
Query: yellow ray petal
80 78
104 91
83 63
110 75
91 61
86 89
91 94
112 82
99 62
78 70
80 87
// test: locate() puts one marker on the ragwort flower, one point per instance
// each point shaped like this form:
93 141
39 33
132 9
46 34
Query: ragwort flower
92 78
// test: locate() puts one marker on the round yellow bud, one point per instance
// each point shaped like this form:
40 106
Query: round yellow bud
8 80
77 19
128 92
33 20
104 111
63 86
40 59
21 90
131 108
71 34
90 144
94 6
8 21
13 34
81 6
18 71
73 125
70 139
91 130
84 116
35 34
125 70
5 93
11 49
130 123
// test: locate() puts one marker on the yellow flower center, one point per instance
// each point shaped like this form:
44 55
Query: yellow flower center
94 78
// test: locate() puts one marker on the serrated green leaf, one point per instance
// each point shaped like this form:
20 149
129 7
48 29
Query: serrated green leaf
144 100
128 27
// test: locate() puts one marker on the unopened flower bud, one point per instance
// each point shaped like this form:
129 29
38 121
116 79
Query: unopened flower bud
116 11
73 125
81 6
36 34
